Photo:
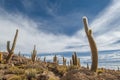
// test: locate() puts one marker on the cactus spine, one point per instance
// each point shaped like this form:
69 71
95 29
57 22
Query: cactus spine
34 53
11 51
92 44
64 61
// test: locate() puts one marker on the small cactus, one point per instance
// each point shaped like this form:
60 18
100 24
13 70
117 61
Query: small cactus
78 62
34 53
44 59
75 60
11 51
55 59
71 62
64 61
92 44
87 66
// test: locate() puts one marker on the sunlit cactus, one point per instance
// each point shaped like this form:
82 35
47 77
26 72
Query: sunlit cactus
11 50
34 54
92 44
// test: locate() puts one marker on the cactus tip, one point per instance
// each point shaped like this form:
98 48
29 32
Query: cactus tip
84 17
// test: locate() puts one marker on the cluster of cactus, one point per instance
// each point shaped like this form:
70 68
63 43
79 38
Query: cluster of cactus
75 61
92 44
34 54
64 61
1 57
11 50
55 59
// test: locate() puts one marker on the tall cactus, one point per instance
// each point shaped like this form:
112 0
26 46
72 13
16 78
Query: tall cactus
11 51
33 54
92 44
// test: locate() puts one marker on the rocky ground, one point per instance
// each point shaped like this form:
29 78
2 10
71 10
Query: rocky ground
21 68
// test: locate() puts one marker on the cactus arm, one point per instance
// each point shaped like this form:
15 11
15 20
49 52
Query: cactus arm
8 46
73 59
14 41
85 25
76 60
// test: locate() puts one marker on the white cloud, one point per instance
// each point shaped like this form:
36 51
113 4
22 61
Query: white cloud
29 35
105 26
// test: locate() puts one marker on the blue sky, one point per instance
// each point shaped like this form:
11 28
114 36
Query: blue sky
56 25
57 16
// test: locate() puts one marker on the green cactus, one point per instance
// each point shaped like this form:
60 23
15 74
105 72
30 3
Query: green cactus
34 54
92 44
11 51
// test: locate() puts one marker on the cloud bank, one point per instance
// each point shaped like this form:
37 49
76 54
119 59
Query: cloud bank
106 30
